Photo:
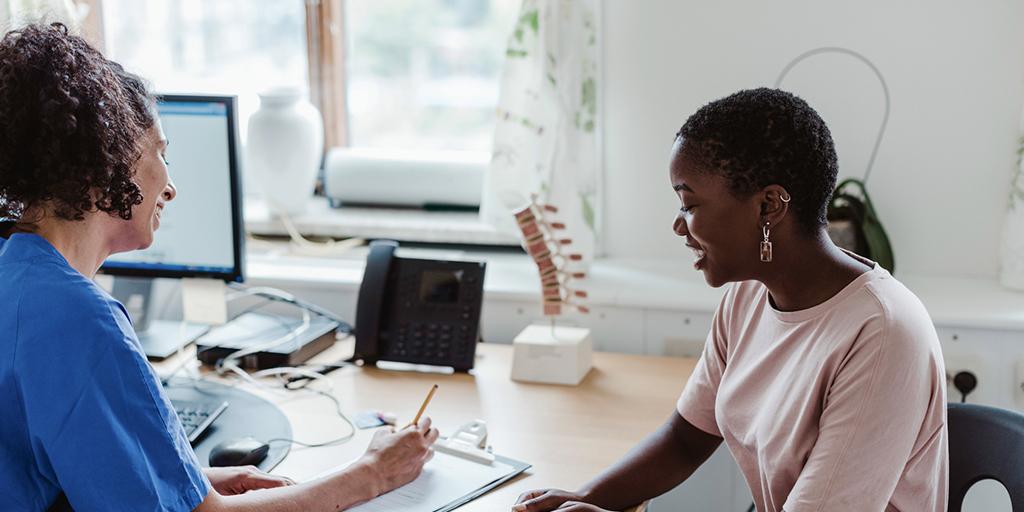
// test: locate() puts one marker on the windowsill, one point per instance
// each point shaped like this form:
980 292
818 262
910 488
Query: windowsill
411 225
977 303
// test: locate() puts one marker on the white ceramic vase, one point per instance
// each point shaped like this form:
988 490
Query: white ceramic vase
284 147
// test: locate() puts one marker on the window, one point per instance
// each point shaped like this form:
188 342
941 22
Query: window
226 46
392 76
413 74
424 74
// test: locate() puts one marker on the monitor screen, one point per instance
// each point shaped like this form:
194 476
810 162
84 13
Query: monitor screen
201 230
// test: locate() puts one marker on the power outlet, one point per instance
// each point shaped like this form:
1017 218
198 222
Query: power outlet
965 362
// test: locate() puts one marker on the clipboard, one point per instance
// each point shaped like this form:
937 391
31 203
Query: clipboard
517 468
463 469
470 442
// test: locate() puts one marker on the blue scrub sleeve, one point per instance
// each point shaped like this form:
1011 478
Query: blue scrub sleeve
103 425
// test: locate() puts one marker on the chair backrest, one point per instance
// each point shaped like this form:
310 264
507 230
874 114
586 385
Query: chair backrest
985 442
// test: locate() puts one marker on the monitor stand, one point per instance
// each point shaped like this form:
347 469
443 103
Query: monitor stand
160 339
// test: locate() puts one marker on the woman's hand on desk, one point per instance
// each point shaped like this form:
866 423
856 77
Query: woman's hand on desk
237 480
397 457
575 506
543 500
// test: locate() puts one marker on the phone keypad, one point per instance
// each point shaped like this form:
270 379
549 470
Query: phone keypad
433 342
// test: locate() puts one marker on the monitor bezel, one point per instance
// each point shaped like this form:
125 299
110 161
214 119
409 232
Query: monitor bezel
236 274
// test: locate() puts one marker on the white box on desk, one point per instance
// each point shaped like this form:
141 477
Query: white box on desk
551 354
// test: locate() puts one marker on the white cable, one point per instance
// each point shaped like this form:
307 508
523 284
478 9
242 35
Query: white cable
319 377
241 353
878 73
245 291
329 248
229 364
281 295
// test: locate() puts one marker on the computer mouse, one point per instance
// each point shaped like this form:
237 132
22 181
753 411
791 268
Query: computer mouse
244 451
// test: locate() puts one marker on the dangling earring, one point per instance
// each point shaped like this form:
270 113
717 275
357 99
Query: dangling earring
766 246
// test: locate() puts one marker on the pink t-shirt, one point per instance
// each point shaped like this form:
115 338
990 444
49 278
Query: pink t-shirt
840 407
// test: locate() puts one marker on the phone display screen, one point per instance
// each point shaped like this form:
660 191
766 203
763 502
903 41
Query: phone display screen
440 286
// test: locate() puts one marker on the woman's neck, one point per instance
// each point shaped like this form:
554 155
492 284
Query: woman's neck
84 243
809 273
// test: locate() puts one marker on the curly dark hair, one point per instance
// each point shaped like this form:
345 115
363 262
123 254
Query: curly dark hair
71 123
760 137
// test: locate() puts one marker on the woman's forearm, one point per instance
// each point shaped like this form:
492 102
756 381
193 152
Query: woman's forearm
338 491
393 459
663 460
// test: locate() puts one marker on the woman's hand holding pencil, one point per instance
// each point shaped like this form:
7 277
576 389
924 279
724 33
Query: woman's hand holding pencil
395 458
426 401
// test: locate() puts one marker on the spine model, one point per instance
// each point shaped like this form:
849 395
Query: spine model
553 258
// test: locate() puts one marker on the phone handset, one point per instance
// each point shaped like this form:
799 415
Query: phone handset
372 299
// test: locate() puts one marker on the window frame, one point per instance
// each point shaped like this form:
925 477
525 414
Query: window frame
92 24
325 51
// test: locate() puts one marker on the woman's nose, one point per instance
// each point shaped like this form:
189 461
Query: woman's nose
679 225
170 191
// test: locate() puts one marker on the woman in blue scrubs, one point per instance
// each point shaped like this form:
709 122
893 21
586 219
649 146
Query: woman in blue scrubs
86 425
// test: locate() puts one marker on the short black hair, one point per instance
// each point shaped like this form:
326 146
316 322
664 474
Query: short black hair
760 137
72 124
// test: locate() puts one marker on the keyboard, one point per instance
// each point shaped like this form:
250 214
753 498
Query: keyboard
197 416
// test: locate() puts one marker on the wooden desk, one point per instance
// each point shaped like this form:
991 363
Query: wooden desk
568 433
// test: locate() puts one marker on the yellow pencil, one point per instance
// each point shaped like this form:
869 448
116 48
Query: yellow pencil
423 407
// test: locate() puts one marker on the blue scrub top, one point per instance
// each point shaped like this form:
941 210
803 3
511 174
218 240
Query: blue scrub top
83 413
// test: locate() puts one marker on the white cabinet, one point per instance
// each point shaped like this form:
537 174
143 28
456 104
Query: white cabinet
501 321
676 333
717 485
616 329
993 356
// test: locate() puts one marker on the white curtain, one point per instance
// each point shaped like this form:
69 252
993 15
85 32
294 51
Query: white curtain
545 142
1011 272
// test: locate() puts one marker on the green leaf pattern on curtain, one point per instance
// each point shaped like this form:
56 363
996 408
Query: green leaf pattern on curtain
545 141
1017 185
1011 271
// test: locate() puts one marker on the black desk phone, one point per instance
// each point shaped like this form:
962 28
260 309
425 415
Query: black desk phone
418 311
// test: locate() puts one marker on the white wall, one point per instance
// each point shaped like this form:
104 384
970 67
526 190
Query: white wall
955 73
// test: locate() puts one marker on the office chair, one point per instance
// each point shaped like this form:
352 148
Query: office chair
985 442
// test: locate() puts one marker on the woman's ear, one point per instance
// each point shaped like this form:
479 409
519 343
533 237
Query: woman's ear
774 204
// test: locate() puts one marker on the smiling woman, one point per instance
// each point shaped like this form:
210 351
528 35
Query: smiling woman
82 176
813 352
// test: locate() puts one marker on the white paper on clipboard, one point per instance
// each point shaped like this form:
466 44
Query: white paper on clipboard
444 479
447 481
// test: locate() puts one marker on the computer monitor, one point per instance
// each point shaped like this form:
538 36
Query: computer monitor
201 231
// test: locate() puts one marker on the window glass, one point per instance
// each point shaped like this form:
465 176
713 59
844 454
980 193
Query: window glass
424 74
421 74
225 46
